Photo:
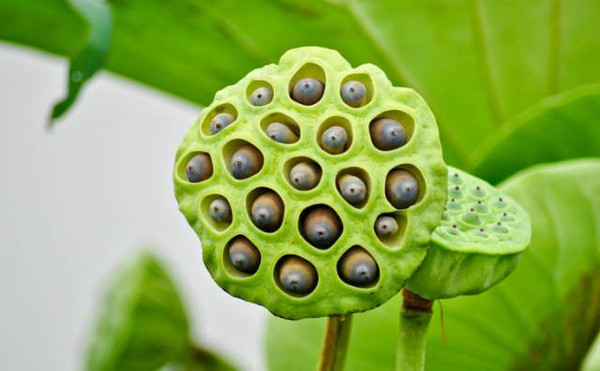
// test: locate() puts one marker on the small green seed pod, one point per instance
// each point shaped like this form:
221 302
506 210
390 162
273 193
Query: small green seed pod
199 168
220 122
386 226
308 91
305 175
261 96
281 133
387 134
334 140
243 255
474 254
297 276
321 227
354 93
352 188
401 189
220 211
246 161
267 212
358 268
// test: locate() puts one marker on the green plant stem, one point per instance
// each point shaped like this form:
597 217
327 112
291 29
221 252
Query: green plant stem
335 343
414 320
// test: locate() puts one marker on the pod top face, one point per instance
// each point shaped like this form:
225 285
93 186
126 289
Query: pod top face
480 218
296 277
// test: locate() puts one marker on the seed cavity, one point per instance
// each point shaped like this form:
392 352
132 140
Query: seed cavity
267 211
199 168
220 210
243 256
296 276
246 160
281 133
305 175
220 122
358 268
261 96
401 189
354 93
308 91
387 134
320 226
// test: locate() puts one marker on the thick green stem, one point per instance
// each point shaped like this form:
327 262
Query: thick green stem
414 320
335 343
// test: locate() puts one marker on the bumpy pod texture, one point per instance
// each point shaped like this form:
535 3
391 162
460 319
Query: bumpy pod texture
478 243
396 256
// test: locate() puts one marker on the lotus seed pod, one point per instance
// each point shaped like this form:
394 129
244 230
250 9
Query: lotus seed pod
245 162
402 189
297 276
352 188
305 175
267 212
387 134
199 168
354 93
322 227
281 133
334 139
386 226
220 122
471 252
308 91
261 96
243 255
317 224
358 268
220 211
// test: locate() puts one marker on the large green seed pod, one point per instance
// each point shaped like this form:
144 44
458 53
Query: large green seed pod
315 287
478 243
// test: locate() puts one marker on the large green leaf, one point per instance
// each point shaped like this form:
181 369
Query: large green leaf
544 316
562 127
477 63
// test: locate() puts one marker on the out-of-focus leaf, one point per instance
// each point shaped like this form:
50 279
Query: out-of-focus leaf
87 62
545 316
592 361
477 63
562 127
142 325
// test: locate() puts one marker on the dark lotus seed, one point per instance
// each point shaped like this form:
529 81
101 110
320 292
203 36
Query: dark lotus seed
267 212
358 268
261 96
220 122
199 168
297 276
322 227
243 255
281 133
308 91
386 226
220 211
354 93
401 189
304 175
334 139
352 188
387 134
246 161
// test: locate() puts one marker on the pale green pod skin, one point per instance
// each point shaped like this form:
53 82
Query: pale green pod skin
476 246
397 259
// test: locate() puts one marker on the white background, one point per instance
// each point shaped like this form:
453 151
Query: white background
77 201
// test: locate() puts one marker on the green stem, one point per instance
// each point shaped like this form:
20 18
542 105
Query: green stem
335 343
414 320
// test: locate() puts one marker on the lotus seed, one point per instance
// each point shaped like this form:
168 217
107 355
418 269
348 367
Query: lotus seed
305 175
401 189
281 133
220 122
246 161
358 268
322 227
267 212
297 276
352 188
354 93
308 91
243 255
220 211
334 139
387 134
471 218
199 168
500 228
386 226
261 96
